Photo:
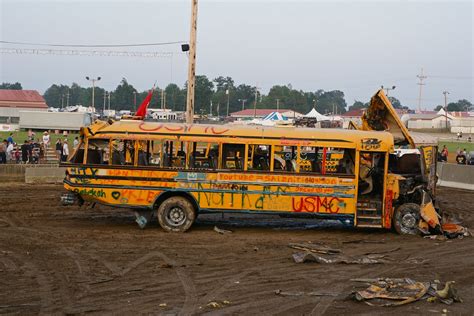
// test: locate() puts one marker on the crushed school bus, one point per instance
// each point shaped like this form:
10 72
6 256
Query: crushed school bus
178 171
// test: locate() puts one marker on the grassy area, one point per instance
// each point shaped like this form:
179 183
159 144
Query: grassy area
454 145
20 136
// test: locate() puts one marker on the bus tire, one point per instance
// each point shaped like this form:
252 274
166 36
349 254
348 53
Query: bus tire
406 219
176 214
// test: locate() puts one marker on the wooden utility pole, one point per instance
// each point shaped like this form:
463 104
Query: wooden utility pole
421 84
192 64
446 107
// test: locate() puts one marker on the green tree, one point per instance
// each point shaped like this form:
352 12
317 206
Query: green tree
202 94
358 105
56 95
11 86
330 101
122 98
175 97
460 105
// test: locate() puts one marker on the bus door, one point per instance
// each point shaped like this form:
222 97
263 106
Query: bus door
372 172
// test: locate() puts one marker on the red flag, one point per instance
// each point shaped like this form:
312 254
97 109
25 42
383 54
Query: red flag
141 112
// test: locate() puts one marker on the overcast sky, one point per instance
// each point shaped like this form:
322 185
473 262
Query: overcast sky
353 46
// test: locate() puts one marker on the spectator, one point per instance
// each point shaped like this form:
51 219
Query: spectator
25 148
65 150
30 151
17 154
469 139
3 151
46 140
59 149
444 154
461 158
10 138
76 141
10 152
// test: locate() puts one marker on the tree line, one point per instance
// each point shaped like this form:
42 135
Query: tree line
211 95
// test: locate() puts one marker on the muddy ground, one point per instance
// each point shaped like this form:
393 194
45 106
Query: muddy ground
73 260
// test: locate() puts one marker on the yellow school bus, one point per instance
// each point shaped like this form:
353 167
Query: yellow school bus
178 171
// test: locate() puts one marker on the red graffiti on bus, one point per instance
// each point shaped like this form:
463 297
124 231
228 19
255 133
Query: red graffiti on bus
316 204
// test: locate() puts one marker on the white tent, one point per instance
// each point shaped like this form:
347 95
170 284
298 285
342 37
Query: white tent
319 117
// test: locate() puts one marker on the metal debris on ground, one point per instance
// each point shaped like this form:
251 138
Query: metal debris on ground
303 257
395 292
300 293
222 231
315 249
216 304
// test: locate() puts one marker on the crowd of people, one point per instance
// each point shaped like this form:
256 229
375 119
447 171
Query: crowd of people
32 150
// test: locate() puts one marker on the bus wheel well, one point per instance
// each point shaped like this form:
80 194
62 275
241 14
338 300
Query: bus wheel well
165 195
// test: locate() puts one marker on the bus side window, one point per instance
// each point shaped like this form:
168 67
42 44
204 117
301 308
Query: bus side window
311 159
123 152
174 154
259 157
154 152
284 159
233 156
98 151
344 161
203 155
79 154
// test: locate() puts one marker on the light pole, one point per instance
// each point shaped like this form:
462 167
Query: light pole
278 104
228 96
446 107
93 89
243 103
388 89
134 101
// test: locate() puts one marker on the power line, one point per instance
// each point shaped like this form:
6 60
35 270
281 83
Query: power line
71 52
89 45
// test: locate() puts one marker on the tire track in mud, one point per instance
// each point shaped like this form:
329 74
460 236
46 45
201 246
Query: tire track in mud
190 299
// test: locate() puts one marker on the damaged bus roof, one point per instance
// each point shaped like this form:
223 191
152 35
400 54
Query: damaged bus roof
141 129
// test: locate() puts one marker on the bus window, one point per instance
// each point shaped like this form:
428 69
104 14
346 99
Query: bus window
344 161
154 152
284 158
259 157
233 156
123 152
203 155
78 154
174 154
98 151
311 159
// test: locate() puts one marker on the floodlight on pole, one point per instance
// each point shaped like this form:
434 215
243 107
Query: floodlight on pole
93 89
387 89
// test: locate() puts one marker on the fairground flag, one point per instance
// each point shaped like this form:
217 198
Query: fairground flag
141 112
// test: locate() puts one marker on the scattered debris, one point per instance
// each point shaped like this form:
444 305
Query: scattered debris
303 257
284 293
383 251
216 304
315 249
163 305
363 241
255 248
396 292
222 231
166 266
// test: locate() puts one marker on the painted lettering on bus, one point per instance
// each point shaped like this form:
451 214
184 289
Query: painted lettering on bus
316 204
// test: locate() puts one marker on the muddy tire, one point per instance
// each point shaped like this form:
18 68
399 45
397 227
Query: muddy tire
406 219
176 214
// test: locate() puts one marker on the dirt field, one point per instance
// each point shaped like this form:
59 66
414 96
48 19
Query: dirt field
72 260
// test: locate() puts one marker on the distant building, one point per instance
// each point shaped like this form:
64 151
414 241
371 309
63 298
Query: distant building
261 113
165 114
14 101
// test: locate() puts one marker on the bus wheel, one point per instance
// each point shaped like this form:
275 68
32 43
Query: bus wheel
406 219
176 214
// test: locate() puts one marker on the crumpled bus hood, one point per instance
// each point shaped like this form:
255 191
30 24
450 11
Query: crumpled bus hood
381 116
93 128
